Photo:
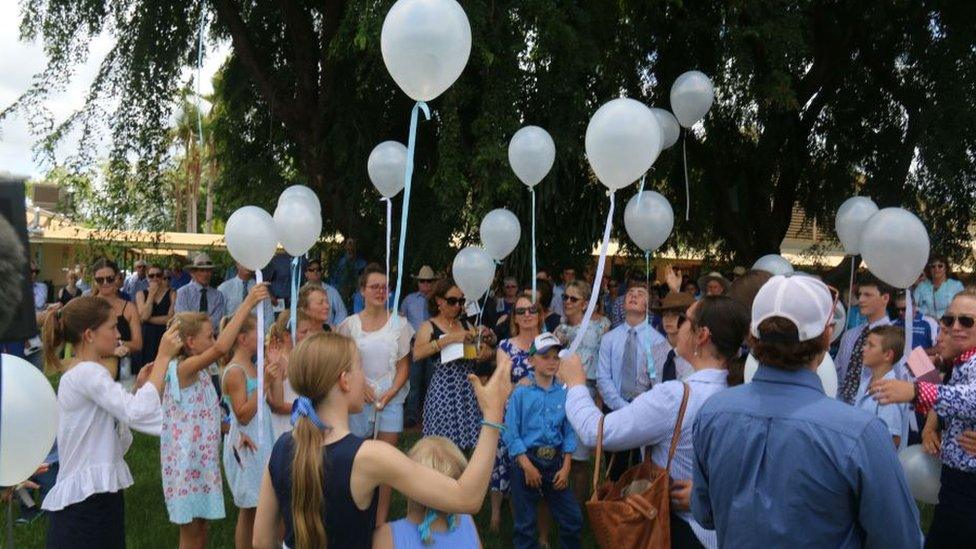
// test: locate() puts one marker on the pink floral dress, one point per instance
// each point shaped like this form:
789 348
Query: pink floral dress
190 449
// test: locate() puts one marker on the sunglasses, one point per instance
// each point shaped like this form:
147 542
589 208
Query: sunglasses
948 321
533 310
454 301
155 275
104 279
571 298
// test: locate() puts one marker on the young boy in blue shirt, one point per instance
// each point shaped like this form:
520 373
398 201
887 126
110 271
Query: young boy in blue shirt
541 442
884 347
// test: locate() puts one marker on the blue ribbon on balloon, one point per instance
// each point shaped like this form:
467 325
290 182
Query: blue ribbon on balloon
293 316
405 214
684 152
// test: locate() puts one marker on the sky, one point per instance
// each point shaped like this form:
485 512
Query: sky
18 64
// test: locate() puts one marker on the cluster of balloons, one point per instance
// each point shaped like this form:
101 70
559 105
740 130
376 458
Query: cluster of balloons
892 241
252 234
28 419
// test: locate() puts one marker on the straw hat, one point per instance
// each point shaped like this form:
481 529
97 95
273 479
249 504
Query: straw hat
201 262
425 273
675 301
714 275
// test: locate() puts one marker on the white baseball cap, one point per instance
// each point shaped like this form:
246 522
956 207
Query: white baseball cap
543 343
803 300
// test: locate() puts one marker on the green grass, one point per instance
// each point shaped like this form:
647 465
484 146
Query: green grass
147 525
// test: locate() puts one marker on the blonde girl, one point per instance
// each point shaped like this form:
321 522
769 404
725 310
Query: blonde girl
425 527
190 438
323 480
248 444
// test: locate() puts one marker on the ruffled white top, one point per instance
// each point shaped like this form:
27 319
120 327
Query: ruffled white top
93 434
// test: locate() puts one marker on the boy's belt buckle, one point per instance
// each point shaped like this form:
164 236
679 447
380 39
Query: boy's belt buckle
545 452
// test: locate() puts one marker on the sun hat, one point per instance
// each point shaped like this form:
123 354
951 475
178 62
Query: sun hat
714 275
201 262
674 301
425 273
803 300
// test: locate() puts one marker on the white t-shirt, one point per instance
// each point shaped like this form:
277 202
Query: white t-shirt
93 433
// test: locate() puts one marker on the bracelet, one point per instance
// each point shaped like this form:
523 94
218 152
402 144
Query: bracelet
500 426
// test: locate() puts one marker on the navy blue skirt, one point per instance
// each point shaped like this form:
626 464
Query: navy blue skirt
97 522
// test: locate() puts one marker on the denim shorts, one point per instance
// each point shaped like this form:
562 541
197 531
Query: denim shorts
390 419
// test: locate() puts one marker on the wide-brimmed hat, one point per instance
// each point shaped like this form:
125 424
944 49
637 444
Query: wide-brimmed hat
739 270
714 275
201 262
675 301
425 273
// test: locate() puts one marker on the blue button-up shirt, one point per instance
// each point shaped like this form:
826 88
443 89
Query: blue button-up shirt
537 417
188 300
133 284
414 307
612 345
234 290
780 464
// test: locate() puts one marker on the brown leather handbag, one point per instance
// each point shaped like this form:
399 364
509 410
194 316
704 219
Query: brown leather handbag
634 511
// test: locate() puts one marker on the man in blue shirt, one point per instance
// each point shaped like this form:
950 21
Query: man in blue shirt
780 464
541 443
337 309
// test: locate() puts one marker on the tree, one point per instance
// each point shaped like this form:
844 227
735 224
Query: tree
811 108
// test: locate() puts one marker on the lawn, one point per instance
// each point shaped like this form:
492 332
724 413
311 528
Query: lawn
147 525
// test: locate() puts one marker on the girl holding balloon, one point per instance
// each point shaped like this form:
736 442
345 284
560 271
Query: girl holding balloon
190 438
86 506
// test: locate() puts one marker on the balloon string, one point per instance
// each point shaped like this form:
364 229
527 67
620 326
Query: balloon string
481 310
203 15
909 323
535 269
684 152
405 214
293 310
260 278
389 223
596 280
651 371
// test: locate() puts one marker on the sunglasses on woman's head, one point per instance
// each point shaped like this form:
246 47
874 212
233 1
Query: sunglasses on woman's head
533 310
104 279
948 321
454 301
571 298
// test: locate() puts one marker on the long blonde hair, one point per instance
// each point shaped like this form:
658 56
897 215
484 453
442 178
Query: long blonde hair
314 368
188 324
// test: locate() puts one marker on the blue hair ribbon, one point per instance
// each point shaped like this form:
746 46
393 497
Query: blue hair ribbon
303 407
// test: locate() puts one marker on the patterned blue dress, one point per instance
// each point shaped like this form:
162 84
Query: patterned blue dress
244 476
451 407
500 475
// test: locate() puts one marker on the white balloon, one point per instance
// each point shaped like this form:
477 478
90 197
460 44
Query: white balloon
692 95
923 473
895 246
531 153
649 220
670 131
826 371
387 165
500 233
773 264
298 225
251 237
425 45
28 419
301 192
850 220
473 271
622 142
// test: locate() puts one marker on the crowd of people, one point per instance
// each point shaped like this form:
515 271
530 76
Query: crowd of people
659 371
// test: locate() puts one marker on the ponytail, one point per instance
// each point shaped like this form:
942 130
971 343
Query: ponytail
68 324
314 368
307 481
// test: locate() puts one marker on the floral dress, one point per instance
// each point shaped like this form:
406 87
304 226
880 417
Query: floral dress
589 348
500 475
189 449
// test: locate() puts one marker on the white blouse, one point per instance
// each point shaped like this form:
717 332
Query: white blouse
93 433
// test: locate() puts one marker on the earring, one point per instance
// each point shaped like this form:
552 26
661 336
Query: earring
697 351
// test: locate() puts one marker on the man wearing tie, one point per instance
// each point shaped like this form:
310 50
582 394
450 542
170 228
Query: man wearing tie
632 357
672 310
235 292
198 295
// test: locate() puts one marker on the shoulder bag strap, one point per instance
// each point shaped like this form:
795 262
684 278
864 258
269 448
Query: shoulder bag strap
677 425
599 457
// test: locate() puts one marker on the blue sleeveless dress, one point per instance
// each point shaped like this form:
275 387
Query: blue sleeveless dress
245 470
